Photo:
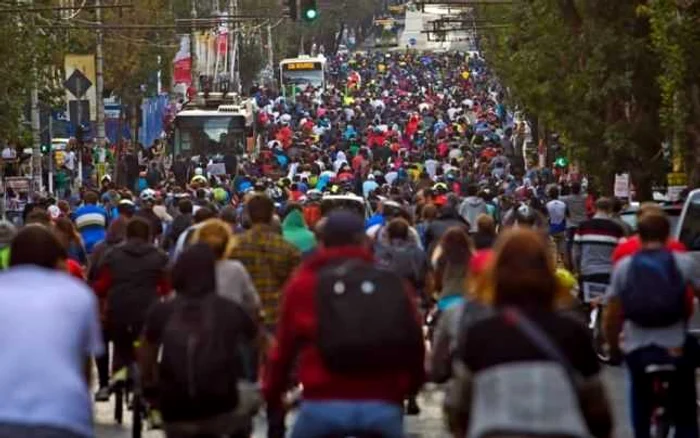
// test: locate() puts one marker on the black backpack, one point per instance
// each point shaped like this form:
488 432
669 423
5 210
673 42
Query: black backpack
366 322
200 365
655 293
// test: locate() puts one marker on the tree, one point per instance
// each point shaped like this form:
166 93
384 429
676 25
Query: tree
27 53
586 70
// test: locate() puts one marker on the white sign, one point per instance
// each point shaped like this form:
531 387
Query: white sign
674 192
622 185
593 291
216 169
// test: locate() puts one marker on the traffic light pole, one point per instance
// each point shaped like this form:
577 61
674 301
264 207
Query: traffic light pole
36 132
99 79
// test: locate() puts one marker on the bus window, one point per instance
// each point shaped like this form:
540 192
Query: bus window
690 226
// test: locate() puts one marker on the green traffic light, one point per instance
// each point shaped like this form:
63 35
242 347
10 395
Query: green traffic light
311 14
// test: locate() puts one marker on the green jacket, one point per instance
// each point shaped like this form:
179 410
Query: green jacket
4 257
296 232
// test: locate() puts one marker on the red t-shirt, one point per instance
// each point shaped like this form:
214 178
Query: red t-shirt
633 245
75 269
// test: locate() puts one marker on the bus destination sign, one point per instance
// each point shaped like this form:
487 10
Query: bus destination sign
300 66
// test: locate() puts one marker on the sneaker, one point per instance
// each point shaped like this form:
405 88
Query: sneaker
102 394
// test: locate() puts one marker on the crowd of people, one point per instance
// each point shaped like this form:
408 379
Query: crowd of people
399 198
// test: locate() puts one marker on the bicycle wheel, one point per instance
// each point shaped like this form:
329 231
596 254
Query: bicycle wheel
137 416
119 403
660 427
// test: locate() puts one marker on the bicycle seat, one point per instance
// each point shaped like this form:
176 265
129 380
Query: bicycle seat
659 369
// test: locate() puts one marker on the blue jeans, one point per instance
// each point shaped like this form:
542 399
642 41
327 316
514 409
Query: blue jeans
319 419
683 407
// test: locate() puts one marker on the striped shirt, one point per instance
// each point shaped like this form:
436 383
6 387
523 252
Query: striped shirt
91 221
270 261
594 243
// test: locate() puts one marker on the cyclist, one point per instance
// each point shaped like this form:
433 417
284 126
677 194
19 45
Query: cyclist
49 329
594 243
650 288
132 276
340 396
145 211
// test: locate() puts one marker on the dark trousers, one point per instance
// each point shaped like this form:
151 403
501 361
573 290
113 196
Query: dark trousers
682 393
102 362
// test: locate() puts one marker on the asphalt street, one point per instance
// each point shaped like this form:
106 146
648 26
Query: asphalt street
428 425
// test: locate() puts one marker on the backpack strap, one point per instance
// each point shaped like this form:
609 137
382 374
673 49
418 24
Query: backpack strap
541 340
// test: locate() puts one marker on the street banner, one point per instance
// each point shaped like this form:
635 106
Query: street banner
80 86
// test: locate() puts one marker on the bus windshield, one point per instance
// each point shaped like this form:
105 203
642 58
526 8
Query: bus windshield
689 232
209 134
301 74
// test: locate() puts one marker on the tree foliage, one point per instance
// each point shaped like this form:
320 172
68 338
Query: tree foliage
587 70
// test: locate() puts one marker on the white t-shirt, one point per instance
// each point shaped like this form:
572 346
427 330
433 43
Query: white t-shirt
49 327
69 160
557 212
9 153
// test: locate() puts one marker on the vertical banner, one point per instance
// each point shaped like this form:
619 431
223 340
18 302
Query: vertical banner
80 82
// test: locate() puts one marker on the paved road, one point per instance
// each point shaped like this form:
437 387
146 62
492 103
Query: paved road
428 425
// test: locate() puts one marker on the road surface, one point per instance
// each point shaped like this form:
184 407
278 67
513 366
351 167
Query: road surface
428 425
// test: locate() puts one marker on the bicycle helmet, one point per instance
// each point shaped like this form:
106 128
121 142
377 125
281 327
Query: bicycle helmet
198 179
148 195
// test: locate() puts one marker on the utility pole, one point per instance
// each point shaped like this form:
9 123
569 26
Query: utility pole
99 78
193 49
270 50
36 130
234 32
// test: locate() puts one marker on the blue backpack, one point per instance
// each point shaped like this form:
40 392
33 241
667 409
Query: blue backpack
655 293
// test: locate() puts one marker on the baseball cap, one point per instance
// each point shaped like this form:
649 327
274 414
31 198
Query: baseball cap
342 228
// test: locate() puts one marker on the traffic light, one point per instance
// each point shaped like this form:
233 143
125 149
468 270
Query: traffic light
309 10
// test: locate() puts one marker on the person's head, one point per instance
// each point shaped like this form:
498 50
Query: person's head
523 271
604 206
7 232
654 228
575 188
229 215
38 216
216 234
260 210
553 192
649 207
486 225
342 228
64 206
456 247
472 190
397 229
194 273
203 214
429 212
66 232
185 206
37 245
91 198
138 229
126 208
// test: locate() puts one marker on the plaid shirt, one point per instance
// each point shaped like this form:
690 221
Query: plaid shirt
270 261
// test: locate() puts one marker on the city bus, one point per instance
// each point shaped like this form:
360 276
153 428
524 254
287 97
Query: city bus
299 73
214 125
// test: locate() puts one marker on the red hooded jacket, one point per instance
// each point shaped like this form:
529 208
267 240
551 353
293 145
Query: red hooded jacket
297 331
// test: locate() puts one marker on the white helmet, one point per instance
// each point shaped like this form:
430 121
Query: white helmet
148 195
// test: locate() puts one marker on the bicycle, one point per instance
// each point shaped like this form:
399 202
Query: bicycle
660 378
126 387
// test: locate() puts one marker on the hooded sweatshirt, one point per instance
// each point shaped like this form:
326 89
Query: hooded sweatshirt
296 232
470 209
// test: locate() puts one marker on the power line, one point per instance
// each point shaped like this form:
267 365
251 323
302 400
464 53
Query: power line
61 8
